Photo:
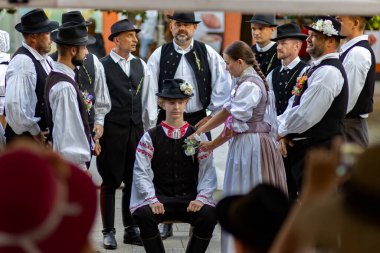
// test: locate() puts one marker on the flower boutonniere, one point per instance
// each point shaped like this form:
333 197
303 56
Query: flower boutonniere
190 146
197 60
87 98
139 86
297 89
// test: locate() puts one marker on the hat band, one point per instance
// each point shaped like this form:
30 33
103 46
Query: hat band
38 25
77 40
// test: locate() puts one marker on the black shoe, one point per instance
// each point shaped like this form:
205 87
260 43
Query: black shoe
166 230
132 236
109 241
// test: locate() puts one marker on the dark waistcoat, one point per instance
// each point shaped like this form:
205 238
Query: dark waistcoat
267 60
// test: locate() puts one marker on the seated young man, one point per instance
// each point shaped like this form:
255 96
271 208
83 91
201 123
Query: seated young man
167 183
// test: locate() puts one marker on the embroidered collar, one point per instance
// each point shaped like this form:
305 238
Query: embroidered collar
174 133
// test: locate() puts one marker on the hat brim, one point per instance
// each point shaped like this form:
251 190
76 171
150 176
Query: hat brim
54 36
298 36
173 96
53 25
314 30
260 22
112 35
183 21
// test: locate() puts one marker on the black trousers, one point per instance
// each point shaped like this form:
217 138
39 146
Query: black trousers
115 165
203 221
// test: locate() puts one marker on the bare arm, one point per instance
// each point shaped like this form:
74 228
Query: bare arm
215 121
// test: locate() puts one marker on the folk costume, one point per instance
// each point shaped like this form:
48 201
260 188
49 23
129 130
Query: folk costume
134 108
164 173
359 62
25 81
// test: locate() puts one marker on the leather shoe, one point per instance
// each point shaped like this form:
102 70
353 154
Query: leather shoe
132 236
166 230
109 241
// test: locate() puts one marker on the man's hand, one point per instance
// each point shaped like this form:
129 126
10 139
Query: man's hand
283 149
41 137
157 208
98 130
203 121
97 149
195 206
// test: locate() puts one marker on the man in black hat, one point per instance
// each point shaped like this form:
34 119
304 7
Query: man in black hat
66 109
317 108
283 78
359 62
197 63
175 185
134 108
92 83
262 28
25 77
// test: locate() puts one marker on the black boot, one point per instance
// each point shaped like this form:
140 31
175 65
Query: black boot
154 245
109 241
166 230
107 208
197 244
132 236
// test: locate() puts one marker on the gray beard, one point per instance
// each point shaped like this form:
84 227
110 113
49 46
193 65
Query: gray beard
180 40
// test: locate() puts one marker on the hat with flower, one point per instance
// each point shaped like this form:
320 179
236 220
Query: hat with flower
44 207
176 88
326 25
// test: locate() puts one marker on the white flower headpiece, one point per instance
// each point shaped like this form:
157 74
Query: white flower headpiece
325 26
186 88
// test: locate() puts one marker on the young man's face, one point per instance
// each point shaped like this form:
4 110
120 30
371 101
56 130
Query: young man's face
126 41
347 25
80 55
287 48
182 32
262 33
174 108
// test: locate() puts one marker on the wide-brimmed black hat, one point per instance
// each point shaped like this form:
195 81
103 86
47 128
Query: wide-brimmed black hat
122 26
175 88
269 20
254 218
36 21
184 17
72 33
289 31
326 25
74 16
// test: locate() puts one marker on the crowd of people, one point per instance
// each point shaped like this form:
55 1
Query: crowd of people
149 126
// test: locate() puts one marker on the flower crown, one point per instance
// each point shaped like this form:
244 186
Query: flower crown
325 26
186 88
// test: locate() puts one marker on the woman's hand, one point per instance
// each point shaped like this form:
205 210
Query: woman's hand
207 146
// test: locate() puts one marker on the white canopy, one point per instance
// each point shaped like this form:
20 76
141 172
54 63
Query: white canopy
309 7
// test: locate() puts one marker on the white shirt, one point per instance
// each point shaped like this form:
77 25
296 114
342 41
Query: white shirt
221 83
143 191
69 137
357 64
148 90
4 57
290 66
324 85
21 98
266 48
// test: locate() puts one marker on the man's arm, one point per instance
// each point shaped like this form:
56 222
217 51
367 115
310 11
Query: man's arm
149 99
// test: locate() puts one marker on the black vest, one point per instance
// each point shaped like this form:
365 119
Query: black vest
125 92
197 58
51 81
267 60
175 174
283 83
331 123
85 77
365 100
40 89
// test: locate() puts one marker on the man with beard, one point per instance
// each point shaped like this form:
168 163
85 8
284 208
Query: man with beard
66 110
134 108
196 63
283 78
25 78
318 106
359 62
262 28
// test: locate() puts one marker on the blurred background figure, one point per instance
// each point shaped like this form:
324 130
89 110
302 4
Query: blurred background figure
97 48
148 34
4 60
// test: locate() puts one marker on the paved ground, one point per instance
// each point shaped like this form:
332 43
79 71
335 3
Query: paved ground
177 244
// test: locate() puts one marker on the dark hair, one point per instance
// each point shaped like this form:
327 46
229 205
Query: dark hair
241 50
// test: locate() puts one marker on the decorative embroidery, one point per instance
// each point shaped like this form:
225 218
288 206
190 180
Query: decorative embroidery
139 86
143 144
198 62
144 153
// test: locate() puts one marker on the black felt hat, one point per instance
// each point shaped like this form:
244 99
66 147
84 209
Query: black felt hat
269 20
36 21
72 33
122 26
256 217
74 16
287 31
184 17
175 88
324 24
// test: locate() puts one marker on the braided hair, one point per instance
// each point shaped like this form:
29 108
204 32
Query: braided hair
241 50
